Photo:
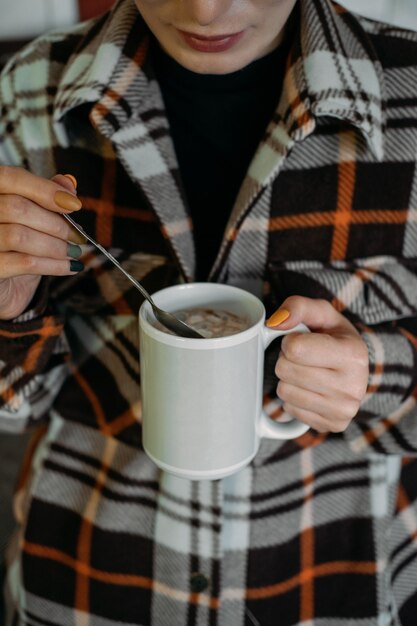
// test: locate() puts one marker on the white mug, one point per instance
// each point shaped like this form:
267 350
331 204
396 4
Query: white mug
202 398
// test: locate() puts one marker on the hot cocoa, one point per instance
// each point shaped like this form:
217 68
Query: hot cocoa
210 322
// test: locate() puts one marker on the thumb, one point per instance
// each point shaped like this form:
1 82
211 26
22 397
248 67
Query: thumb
317 314
66 180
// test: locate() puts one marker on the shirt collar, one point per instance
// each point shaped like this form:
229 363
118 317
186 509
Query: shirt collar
105 69
333 71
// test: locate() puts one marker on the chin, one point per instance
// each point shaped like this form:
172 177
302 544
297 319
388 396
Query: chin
211 63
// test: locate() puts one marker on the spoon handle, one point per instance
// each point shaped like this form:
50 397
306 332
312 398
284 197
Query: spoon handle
110 257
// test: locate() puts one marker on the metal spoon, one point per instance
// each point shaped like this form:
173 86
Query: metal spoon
166 319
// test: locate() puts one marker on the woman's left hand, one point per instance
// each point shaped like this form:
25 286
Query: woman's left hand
323 375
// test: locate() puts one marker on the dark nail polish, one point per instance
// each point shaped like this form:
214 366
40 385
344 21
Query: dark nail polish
74 251
76 266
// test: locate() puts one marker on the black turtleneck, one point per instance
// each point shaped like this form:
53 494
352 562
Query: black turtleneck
216 123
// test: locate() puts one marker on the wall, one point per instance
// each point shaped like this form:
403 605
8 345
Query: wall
399 12
90 8
23 19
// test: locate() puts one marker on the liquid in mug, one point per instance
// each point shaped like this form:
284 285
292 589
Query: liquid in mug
211 323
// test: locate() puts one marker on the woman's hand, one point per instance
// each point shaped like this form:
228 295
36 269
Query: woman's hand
35 240
323 375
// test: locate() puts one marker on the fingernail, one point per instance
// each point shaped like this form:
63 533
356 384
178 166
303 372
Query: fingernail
278 317
76 266
74 251
77 237
72 179
67 201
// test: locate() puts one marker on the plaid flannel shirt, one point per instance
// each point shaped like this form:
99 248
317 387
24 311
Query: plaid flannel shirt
321 530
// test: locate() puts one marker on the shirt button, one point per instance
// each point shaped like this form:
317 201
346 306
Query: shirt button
198 582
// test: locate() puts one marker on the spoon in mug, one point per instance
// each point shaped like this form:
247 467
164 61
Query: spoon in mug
166 319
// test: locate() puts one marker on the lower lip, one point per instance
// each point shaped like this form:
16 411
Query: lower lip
211 45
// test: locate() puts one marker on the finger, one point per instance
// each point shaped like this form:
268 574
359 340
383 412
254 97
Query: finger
66 180
70 182
16 264
309 417
317 314
343 408
324 350
325 381
319 379
17 295
46 193
19 210
18 238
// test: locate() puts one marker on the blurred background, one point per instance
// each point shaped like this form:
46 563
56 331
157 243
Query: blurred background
21 21
398 12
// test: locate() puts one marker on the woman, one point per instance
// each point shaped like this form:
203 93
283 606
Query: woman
264 143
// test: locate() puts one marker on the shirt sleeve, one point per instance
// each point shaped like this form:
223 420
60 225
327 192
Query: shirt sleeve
33 349
387 420
379 296
33 364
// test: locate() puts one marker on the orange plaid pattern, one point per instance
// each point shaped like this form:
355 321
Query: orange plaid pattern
318 530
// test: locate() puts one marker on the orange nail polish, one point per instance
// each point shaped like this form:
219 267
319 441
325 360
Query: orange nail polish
72 179
67 201
277 318
76 237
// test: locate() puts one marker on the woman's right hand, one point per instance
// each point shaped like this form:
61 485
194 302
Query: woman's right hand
35 240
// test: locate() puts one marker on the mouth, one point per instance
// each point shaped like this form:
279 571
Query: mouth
214 43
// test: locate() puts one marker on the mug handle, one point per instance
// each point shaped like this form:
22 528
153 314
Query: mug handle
270 428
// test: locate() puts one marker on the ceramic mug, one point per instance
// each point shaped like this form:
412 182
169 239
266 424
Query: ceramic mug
202 398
